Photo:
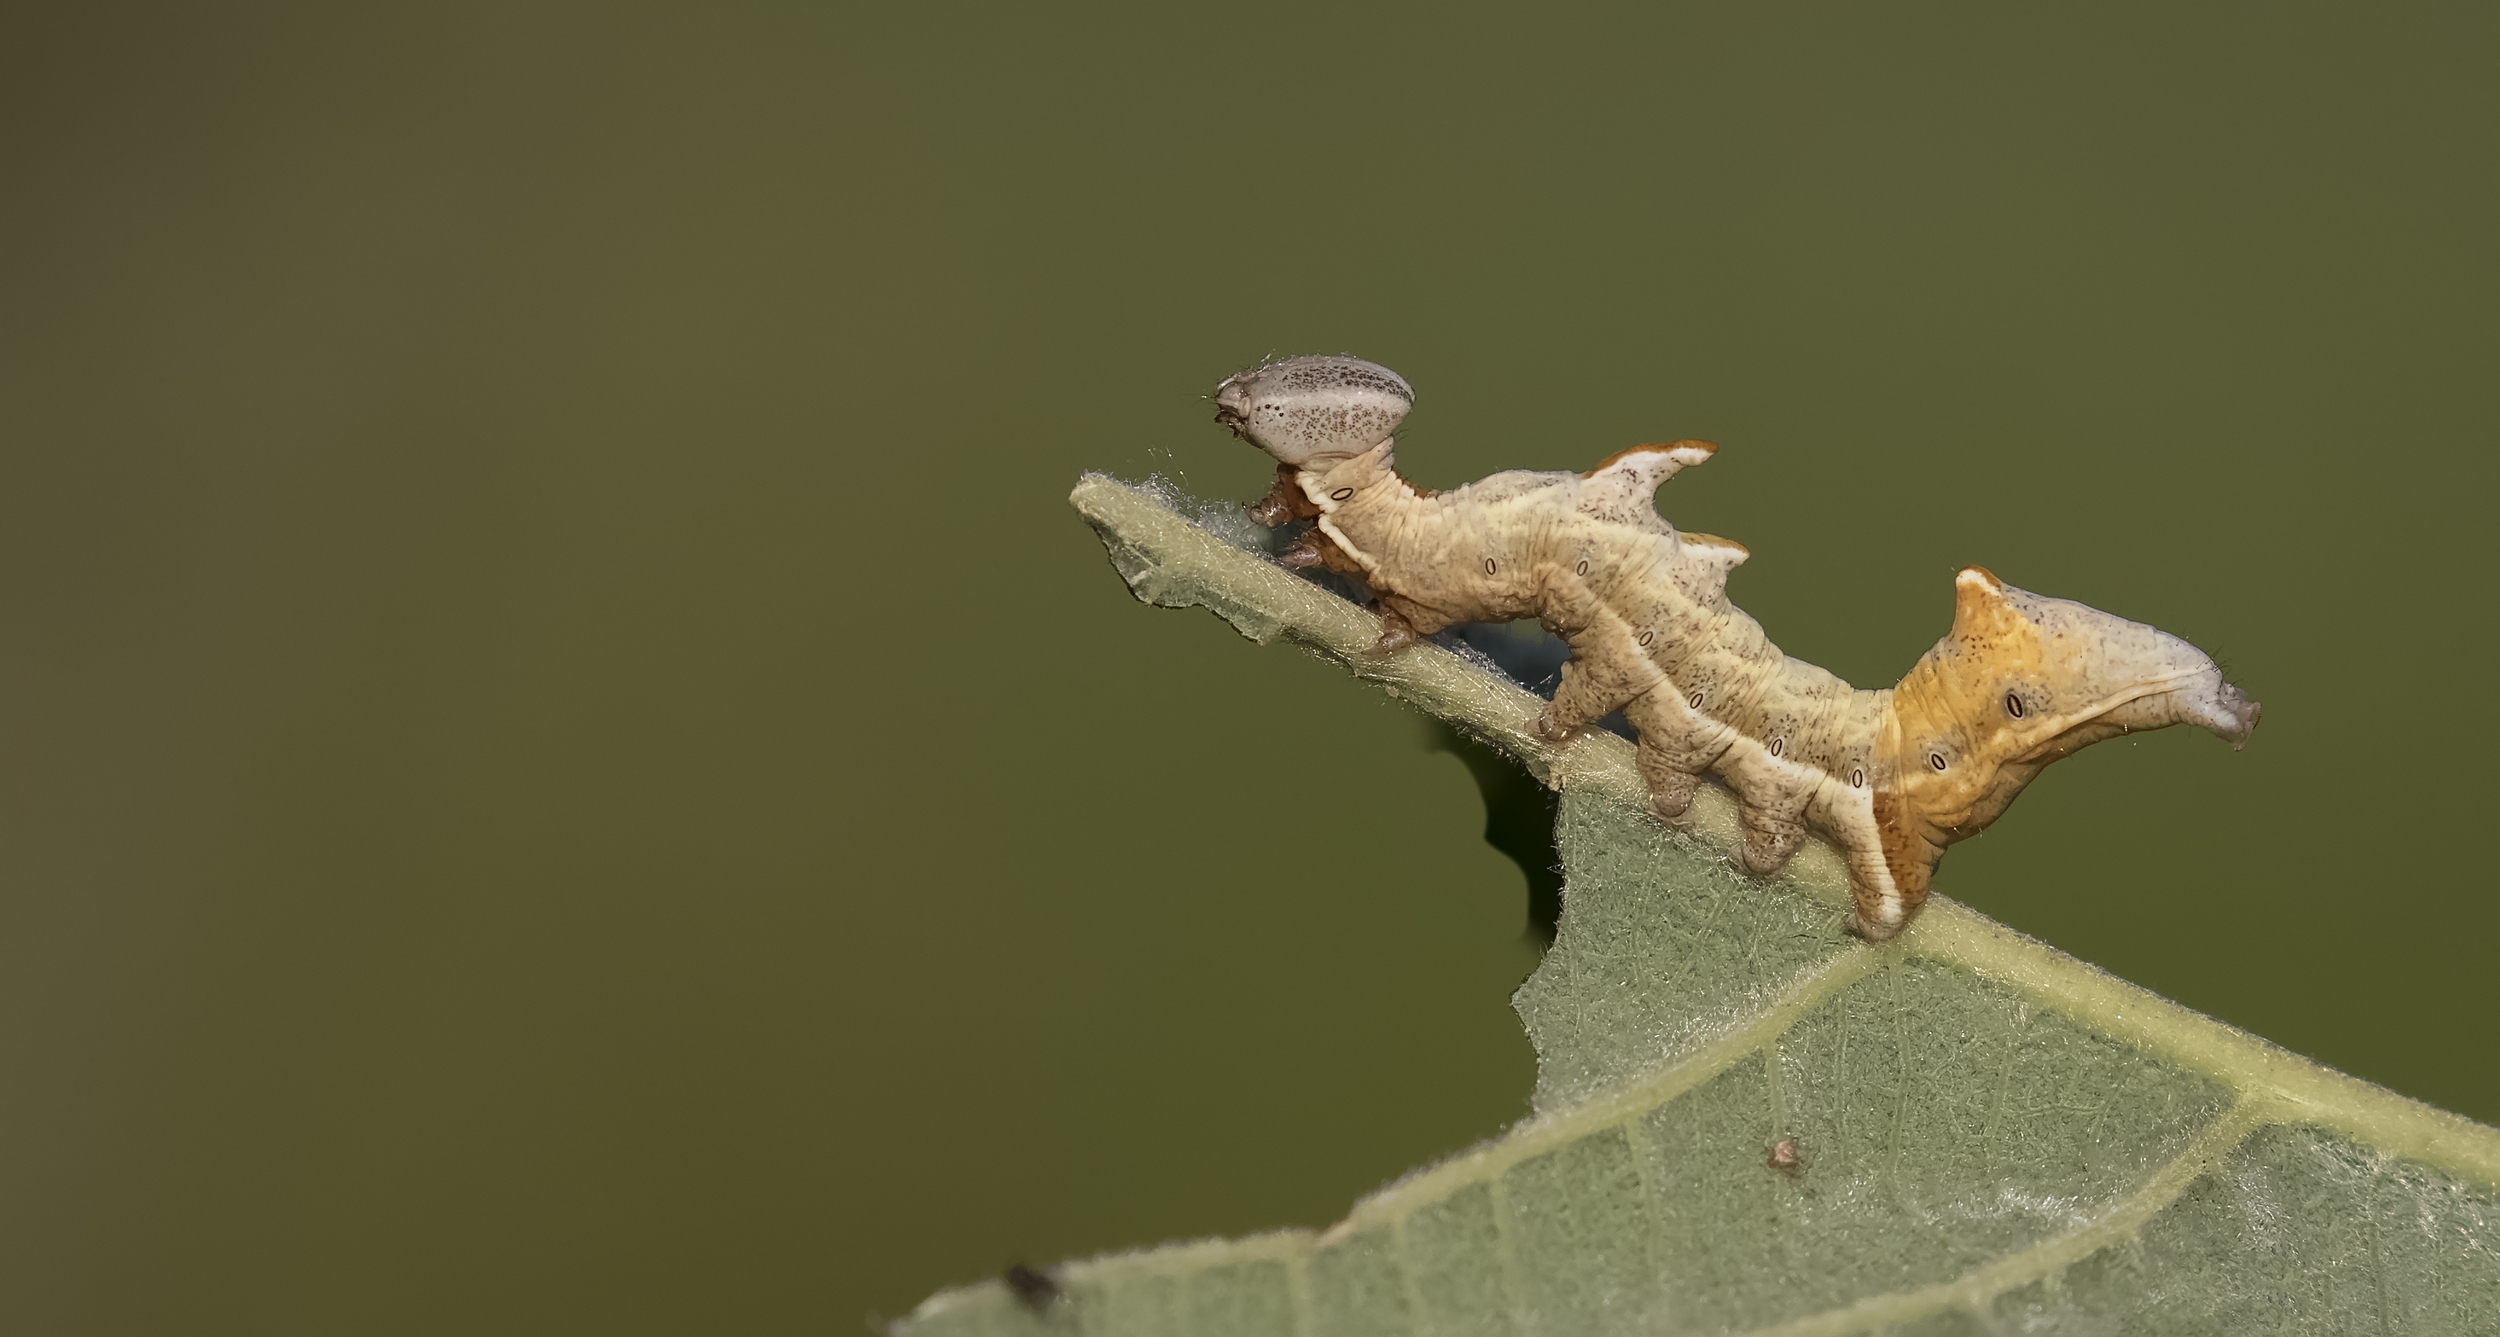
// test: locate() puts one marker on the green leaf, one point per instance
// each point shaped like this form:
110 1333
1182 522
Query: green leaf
1746 1121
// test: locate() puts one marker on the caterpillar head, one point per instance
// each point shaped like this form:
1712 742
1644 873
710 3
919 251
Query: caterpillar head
1313 412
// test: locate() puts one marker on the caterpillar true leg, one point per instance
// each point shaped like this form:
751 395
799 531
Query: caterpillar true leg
1283 502
1315 548
1402 624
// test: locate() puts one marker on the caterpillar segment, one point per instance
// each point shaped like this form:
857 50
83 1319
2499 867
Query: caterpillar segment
1892 776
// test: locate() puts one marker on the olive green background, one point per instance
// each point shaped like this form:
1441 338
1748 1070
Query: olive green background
568 769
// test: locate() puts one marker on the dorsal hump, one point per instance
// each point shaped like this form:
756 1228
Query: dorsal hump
1707 560
1624 488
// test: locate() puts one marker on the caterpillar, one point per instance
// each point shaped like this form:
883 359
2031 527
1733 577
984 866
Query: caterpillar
1891 776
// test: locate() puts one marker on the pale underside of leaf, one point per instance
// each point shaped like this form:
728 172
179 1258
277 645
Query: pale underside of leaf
1987 1135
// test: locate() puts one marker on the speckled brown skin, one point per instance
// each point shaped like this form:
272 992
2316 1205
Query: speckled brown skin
1892 776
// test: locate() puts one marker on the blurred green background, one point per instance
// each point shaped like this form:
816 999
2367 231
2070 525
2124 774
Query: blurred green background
568 769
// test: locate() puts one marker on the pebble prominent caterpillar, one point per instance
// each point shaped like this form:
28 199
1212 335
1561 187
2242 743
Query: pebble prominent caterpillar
1892 776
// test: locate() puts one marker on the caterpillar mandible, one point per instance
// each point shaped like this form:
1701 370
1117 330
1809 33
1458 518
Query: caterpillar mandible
1893 776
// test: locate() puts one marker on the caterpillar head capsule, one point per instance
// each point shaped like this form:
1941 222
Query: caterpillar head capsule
1312 412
